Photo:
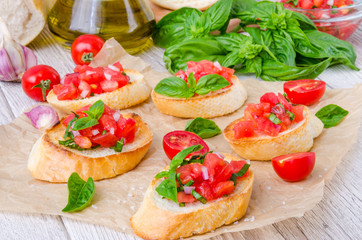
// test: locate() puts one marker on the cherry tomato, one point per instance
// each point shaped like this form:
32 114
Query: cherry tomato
294 167
174 142
85 48
305 91
37 81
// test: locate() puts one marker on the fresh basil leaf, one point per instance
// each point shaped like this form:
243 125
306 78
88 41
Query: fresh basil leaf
171 28
198 197
211 82
173 87
304 22
274 119
162 174
219 13
97 109
241 173
80 193
192 81
66 134
291 115
119 146
84 123
177 56
189 183
197 26
331 115
200 158
179 158
204 128
168 187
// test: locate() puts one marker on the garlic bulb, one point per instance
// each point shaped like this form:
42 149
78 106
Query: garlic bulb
15 59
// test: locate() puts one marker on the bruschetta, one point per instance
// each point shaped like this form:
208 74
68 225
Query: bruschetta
117 87
272 128
92 142
194 198
205 90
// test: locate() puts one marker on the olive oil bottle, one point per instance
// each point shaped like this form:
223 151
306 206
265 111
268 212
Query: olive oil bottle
130 22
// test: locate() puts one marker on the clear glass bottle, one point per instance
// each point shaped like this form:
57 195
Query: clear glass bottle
130 22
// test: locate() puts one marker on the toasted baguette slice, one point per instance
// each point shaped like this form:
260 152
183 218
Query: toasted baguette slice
159 218
52 162
214 104
299 138
135 92
176 4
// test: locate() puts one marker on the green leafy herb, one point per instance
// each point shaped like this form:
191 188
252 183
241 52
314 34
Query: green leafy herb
96 110
80 193
274 119
204 128
200 158
119 146
84 123
178 88
94 114
198 197
104 132
241 173
331 115
66 134
168 187
291 115
189 183
182 204
71 144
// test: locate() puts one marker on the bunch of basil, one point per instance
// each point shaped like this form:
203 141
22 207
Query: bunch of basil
283 44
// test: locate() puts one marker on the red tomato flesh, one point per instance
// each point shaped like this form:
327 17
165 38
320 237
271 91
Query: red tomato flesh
305 91
216 184
174 142
294 167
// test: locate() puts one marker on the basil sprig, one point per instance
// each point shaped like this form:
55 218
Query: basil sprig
178 88
168 187
66 134
80 193
94 114
331 115
204 128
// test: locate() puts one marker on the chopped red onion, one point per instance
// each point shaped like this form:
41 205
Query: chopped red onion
205 173
116 116
43 117
111 130
107 76
84 93
188 189
87 73
76 133
114 68
95 132
220 155
217 65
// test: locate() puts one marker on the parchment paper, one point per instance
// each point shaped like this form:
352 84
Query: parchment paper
117 199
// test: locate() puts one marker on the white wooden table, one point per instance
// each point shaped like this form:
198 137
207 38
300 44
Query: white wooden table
337 216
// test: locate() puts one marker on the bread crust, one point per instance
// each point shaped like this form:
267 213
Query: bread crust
176 4
52 162
214 104
297 139
132 94
155 221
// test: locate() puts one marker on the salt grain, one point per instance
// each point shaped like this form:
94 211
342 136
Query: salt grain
212 231
140 188
124 201
123 229
252 219
283 202
132 207
268 187
130 195
246 220
133 188
94 206
119 201
325 169
320 176
236 222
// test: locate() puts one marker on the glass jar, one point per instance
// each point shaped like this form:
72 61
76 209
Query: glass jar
130 22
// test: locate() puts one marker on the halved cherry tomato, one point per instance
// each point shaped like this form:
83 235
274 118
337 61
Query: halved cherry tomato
174 142
85 48
294 167
305 91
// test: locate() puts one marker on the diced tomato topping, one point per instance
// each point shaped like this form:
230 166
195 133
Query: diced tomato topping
185 198
87 81
83 142
108 123
244 129
224 174
181 74
237 166
214 164
86 132
298 112
205 190
105 140
126 129
224 188
190 172
65 92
